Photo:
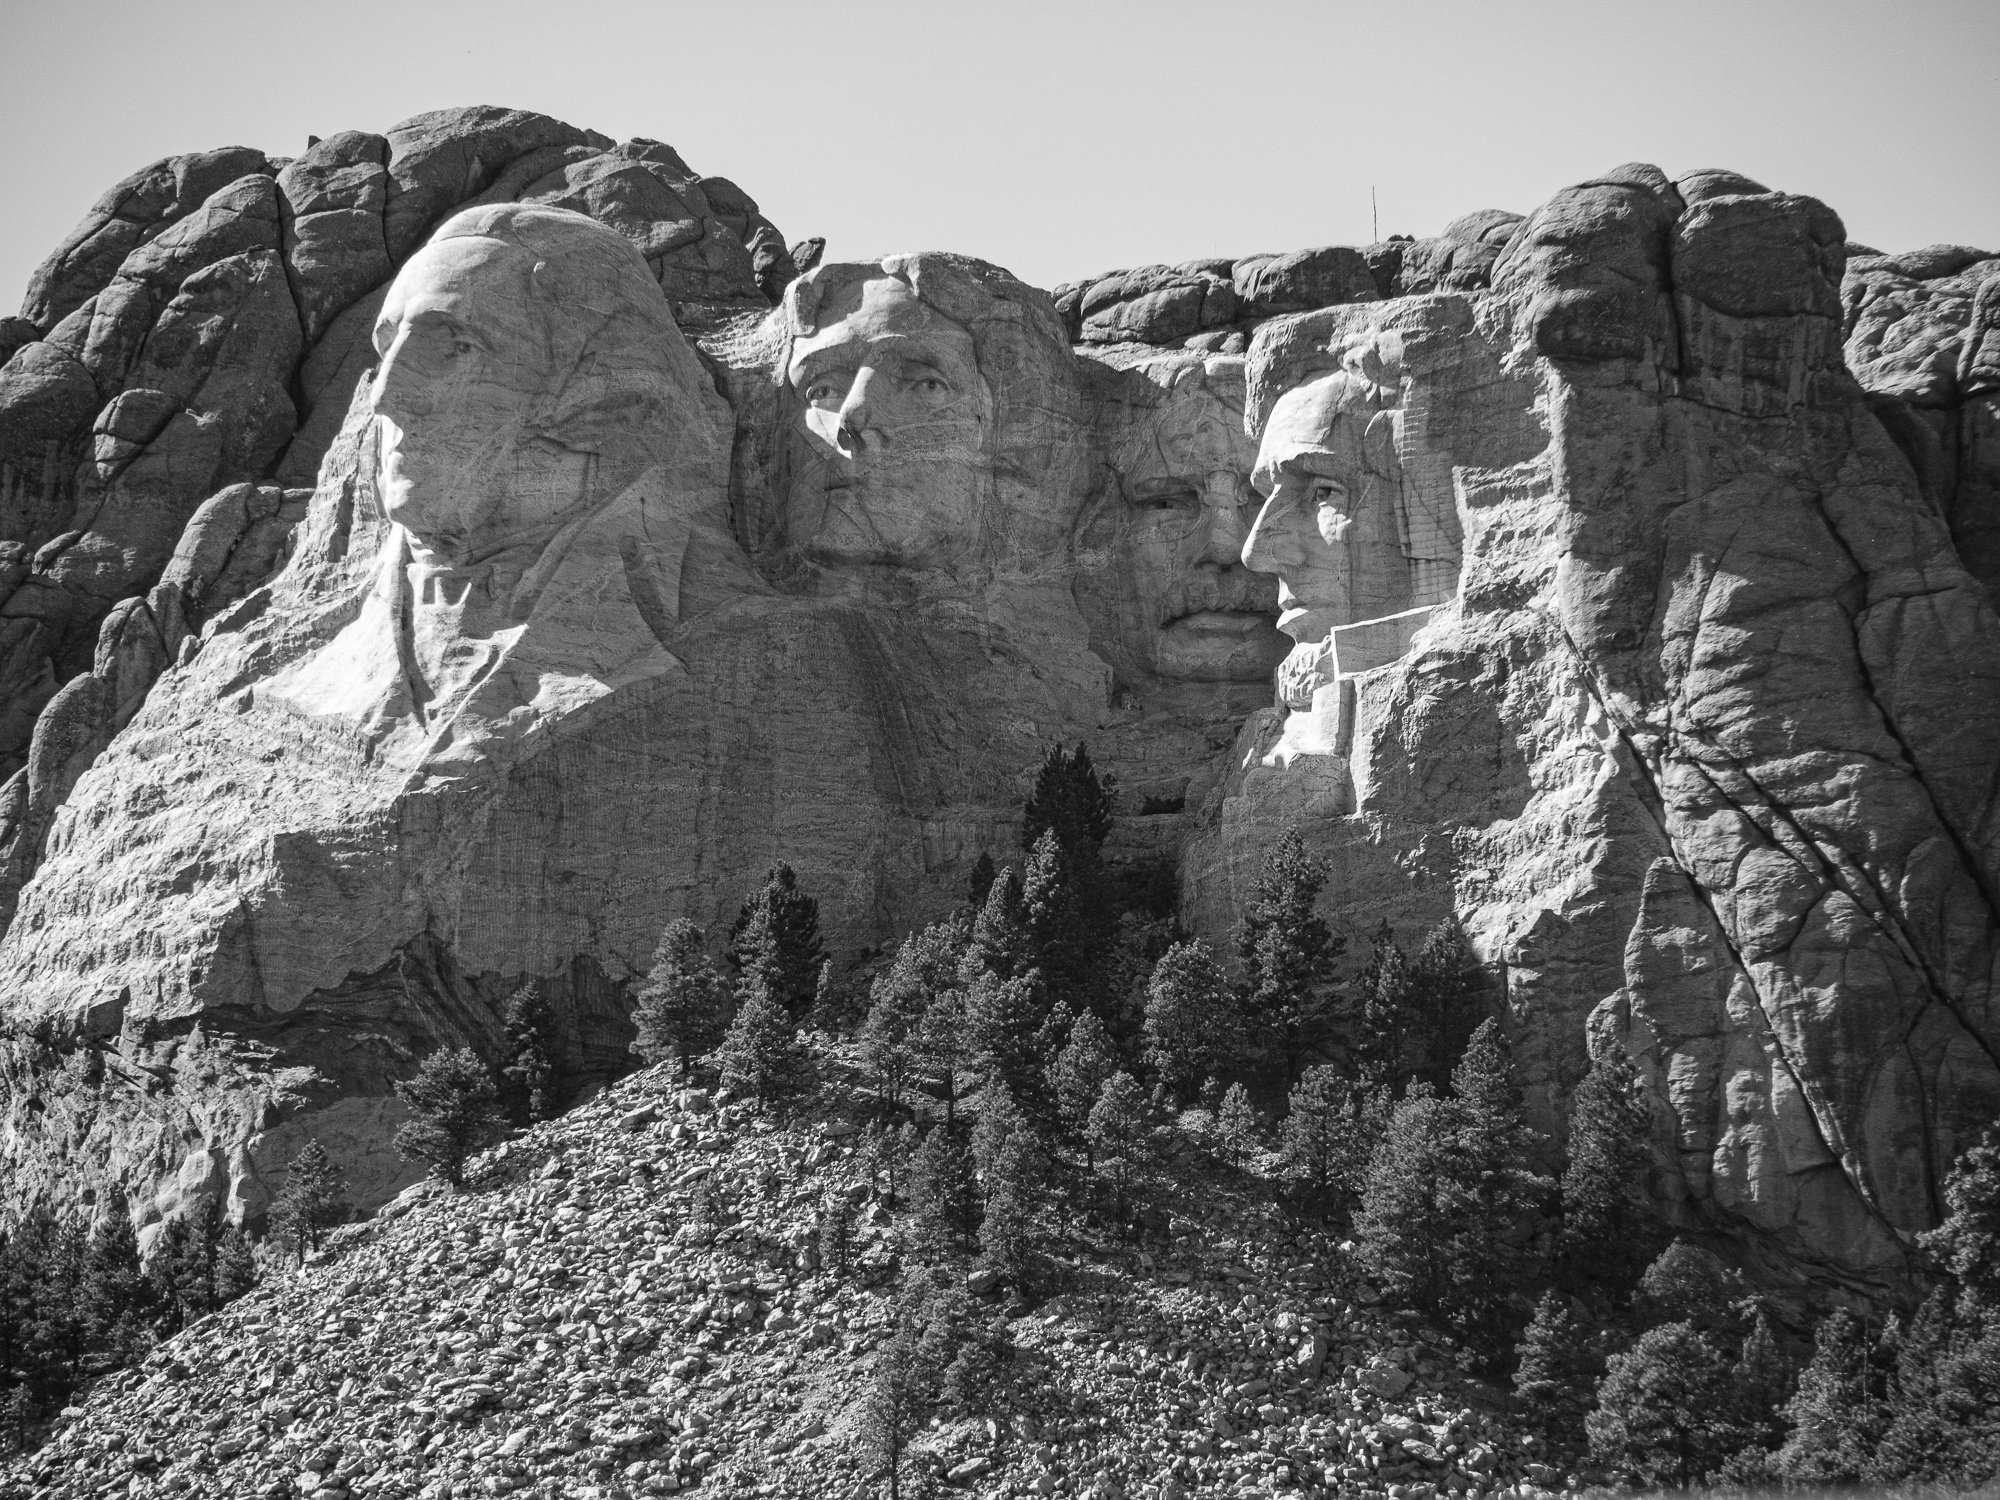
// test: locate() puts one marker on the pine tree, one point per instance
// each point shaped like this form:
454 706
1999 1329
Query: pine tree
944 1197
454 1112
1324 1141
312 1201
980 881
1288 954
1190 1018
681 1011
1070 800
1557 1365
1967 1244
1762 1380
1941 1410
1011 1170
527 1076
897 1402
1610 1230
1689 1284
776 934
1667 1408
1835 1416
1236 1126
61 1329
925 966
1448 1188
235 1266
761 1055
944 1052
1078 1076
1389 1047
1005 1019
999 942
1061 914
117 1305
1116 1130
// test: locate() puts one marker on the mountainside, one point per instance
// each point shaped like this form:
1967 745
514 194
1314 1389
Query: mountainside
630 1298
435 564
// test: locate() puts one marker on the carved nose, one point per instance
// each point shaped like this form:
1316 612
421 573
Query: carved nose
855 413
1224 538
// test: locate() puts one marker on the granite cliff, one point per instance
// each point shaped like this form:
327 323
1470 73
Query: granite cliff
443 559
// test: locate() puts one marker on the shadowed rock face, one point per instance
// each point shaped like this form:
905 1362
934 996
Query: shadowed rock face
1623 625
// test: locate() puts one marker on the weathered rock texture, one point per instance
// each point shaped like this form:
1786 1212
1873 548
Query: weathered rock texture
1632 630
1704 756
206 323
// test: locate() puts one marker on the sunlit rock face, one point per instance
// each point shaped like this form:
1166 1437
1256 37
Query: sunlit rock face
1701 751
1555 575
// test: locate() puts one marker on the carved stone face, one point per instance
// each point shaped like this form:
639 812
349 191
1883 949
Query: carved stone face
890 463
1186 607
1330 525
464 356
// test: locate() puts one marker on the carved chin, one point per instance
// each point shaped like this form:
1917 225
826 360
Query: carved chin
1215 645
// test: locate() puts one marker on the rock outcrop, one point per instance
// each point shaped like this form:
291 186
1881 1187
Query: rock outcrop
1632 560
1703 755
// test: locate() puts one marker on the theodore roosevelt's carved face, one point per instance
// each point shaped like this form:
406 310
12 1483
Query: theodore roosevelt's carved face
1185 607
891 464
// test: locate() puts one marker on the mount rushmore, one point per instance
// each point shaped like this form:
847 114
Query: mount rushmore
442 559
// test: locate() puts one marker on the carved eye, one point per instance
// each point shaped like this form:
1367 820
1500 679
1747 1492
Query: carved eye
821 392
931 384
461 346
1328 492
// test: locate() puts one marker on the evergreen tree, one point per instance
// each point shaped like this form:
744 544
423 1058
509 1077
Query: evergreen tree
1078 1077
761 1055
1967 1244
980 881
1116 1130
454 1112
944 1052
682 1009
235 1266
1449 1187
1069 800
116 1301
944 1197
182 1267
1236 1126
1323 1142
776 935
527 1076
1005 1019
1835 1416
999 942
1062 917
898 1400
1941 1412
1667 1409
312 1201
1011 1170
925 966
1689 1284
61 1329
1190 1018
1762 1380
1288 954
1557 1365
1389 1046
1610 1230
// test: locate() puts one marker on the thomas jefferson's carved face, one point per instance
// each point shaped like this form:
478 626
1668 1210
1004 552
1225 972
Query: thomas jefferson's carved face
1328 527
890 464
463 357
1188 608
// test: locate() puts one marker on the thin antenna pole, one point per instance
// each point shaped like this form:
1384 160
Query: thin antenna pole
1375 214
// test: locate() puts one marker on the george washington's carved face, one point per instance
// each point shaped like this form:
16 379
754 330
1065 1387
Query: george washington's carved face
890 462
464 355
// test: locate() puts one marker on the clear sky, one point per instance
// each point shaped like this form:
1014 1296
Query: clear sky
1059 139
